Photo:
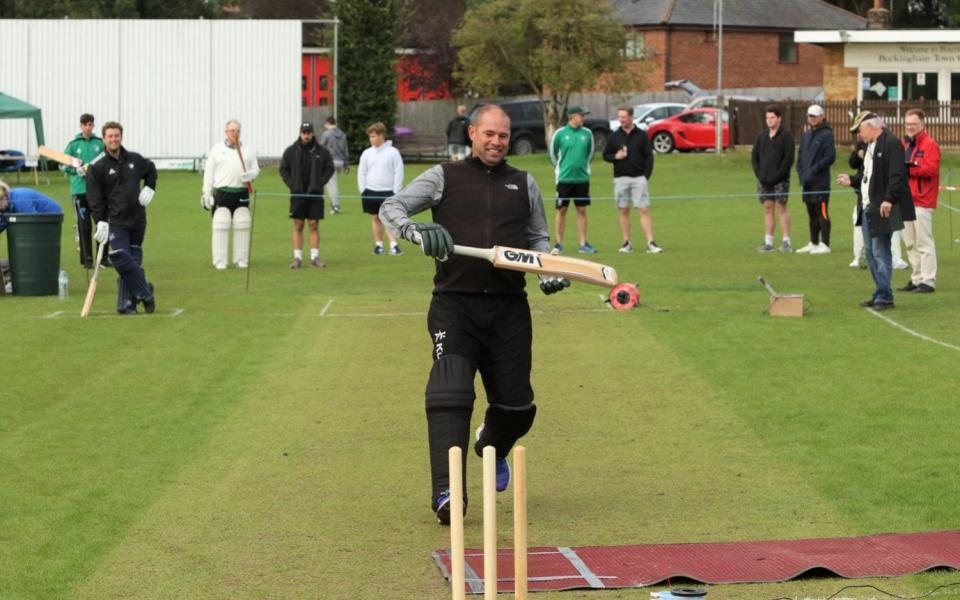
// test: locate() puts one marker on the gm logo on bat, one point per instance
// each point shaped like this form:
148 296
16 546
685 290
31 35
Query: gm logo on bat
523 258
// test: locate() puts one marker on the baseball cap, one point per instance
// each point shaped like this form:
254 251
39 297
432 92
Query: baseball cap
815 110
862 116
577 110
306 127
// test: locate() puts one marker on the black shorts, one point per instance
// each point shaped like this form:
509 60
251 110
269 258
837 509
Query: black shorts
372 200
306 208
578 192
230 200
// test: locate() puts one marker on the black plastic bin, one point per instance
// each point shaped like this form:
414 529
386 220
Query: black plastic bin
33 241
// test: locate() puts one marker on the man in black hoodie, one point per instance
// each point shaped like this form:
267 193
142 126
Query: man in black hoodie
306 167
817 152
772 160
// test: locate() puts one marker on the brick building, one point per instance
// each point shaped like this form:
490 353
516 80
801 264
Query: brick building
678 39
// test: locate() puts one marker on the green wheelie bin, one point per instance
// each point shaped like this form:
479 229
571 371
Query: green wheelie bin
33 241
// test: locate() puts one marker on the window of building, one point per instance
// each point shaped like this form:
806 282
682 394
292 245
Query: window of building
879 86
634 46
955 86
919 86
323 82
788 48
303 82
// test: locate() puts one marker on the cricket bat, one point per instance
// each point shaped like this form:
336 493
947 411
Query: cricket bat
544 263
92 288
60 157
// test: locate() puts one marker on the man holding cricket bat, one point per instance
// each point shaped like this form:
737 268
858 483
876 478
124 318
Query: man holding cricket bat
479 318
118 205
84 147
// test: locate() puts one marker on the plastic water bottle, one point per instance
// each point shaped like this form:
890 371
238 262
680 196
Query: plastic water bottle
63 285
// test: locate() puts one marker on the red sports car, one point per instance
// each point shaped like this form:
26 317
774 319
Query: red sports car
690 130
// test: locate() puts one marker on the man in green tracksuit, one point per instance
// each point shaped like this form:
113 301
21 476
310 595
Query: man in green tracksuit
570 151
86 146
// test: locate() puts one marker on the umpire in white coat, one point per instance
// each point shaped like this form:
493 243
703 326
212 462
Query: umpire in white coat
228 175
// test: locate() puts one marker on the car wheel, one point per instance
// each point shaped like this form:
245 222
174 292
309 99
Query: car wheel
522 145
600 139
662 142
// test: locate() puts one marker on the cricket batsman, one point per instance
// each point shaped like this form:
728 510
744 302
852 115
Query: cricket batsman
85 146
228 175
479 318
118 205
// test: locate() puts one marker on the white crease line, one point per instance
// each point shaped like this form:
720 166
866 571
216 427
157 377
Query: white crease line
54 315
912 332
326 307
953 208
177 312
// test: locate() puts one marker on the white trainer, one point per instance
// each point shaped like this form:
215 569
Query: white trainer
808 248
901 264
820 249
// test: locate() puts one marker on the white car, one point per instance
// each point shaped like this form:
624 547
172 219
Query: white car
644 114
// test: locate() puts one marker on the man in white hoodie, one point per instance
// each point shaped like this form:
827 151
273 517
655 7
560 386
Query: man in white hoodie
379 176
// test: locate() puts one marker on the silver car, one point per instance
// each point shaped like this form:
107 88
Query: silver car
644 114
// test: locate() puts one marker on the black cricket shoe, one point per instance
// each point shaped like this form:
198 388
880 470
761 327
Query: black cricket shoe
910 287
149 304
925 289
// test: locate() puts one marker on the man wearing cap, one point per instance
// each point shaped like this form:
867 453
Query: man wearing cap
816 153
570 151
229 168
923 169
306 167
885 201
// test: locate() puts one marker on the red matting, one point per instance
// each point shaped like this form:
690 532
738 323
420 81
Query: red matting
565 568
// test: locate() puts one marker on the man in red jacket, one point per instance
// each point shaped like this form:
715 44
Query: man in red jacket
923 169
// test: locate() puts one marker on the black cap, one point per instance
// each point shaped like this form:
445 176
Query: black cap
306 127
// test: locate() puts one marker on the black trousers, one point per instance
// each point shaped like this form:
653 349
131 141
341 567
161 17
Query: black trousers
85 233
818 215
471 333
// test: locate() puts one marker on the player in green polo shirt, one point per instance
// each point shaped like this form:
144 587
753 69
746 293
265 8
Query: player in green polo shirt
86 146
570 151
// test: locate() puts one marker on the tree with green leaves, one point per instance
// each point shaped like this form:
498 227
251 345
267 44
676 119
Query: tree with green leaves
110 9
552 48
368 77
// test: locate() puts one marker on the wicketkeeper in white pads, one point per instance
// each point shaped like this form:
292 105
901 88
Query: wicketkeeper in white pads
228 176
479 319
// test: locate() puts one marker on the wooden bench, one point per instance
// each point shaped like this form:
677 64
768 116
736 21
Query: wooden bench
422 147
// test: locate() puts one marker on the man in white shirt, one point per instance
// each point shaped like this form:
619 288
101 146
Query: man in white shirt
228 177
379 176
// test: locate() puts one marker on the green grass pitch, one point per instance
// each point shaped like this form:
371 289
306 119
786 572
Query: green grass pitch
271 443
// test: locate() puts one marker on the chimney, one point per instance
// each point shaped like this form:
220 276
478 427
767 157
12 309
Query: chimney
878 17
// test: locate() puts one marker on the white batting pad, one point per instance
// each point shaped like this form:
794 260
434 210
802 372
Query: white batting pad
221 236
241 236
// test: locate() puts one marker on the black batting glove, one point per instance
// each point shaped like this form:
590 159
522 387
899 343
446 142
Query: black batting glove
552 285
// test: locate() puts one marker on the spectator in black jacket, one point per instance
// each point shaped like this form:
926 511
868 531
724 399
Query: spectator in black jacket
458 140
118 206
772 160
306 167
817 152
628 148
885 201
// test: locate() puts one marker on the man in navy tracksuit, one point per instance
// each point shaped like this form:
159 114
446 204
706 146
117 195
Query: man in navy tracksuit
817 152
117 204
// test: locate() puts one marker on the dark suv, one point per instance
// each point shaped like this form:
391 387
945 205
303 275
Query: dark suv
526 126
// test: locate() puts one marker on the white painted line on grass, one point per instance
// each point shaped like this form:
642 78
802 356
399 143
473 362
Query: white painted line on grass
54 315
912 332
953 208
326 307
177 312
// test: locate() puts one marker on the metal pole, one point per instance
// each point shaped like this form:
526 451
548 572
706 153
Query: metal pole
720 108
336 66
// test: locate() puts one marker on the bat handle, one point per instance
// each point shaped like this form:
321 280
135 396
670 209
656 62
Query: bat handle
484 253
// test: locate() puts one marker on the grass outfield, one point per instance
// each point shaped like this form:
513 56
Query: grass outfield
271 443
